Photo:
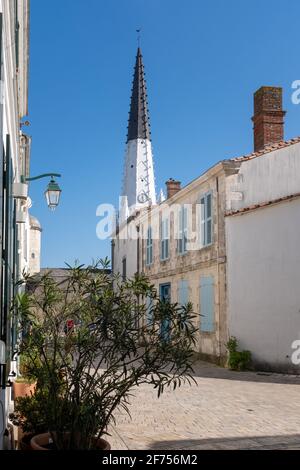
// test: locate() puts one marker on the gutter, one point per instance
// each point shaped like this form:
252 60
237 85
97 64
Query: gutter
262 204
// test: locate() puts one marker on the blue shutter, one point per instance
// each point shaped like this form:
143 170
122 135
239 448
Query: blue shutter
208 216
164 239
207 304
183 292
162 244
149 306
149 246
202 221
206 211
185 228
180 231
167 237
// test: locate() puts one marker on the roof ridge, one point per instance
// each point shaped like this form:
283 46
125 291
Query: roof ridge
269 148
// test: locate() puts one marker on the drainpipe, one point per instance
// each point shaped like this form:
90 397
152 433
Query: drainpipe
218 266
112 256
138 249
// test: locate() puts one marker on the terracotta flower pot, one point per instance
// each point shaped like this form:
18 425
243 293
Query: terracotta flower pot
41 442
21 389
24 442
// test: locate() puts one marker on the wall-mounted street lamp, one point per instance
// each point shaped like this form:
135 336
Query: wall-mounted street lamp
52 192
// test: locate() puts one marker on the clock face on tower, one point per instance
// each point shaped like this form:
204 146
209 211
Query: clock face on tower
142 197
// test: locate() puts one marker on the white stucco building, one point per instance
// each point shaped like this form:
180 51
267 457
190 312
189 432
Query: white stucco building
15 226
263 257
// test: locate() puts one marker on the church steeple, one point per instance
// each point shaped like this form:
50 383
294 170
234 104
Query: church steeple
138 183
138 124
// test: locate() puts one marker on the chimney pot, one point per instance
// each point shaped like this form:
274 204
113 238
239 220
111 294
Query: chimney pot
172 187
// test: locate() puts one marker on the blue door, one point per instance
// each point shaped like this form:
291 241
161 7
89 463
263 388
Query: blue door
165 296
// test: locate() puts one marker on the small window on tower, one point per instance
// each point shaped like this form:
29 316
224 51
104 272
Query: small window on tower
32 255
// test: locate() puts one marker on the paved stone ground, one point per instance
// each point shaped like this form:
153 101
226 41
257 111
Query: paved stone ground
225 410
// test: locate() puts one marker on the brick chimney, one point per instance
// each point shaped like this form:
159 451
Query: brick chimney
268 117
172 187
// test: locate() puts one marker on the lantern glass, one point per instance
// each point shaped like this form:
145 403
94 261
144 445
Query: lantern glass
52 194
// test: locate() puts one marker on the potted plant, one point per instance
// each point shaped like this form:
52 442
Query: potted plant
28 415
90 370
23 385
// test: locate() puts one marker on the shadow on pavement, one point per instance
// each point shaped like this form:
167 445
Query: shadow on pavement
232 443
208 370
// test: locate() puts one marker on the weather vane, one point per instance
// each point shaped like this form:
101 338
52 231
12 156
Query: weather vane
139 36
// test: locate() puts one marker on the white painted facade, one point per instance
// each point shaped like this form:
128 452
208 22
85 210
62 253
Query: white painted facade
270 176
125 257
263 257
14 164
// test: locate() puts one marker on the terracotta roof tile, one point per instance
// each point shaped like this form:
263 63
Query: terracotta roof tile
268 149
262 204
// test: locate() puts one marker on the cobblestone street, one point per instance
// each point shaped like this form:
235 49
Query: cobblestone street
225 410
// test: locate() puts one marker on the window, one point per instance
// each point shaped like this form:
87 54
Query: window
183 292
207 302
182 230
206 219
165 292
124 269
164 250
149 247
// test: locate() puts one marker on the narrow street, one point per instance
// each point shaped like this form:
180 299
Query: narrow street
227 410
150 215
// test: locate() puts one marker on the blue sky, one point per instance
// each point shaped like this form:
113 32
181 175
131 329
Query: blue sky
203 61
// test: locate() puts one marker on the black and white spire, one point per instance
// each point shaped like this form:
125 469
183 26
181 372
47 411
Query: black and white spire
138 124
138 184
